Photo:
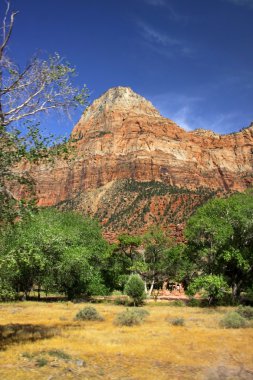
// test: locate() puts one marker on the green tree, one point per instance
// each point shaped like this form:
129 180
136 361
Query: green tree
220 240
156 243
211 286
135 289
58 251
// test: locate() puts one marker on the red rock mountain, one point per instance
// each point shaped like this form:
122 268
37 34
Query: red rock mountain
133 167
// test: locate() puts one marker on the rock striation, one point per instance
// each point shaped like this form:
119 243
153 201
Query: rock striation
122 137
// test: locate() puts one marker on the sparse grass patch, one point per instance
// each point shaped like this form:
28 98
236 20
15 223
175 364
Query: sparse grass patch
177 303
58 354
177 321
150 350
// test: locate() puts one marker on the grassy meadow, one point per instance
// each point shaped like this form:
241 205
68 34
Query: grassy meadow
44 341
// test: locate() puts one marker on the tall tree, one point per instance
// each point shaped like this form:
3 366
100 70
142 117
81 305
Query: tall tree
220 238
44 84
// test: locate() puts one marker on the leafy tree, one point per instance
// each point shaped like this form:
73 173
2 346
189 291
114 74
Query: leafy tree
177 264
211 286
121 260
135 289
156 243
220 239
58 251
44 84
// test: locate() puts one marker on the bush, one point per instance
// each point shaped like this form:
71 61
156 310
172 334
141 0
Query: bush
232 320
245 312
120 301
194 303
89 313
142 313
177 321
131 317
135 289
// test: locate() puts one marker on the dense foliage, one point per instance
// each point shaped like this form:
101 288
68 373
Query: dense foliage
54 251
220 241
63 252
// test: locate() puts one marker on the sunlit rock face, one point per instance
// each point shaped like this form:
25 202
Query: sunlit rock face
122 137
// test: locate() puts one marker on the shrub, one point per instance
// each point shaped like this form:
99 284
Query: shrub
245 312
194 303
131 317
88 313
135 289
41 362
142 313
177 321
120 301
232 320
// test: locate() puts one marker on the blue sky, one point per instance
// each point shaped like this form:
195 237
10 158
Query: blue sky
192 58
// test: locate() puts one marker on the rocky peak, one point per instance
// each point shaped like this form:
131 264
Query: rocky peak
121 100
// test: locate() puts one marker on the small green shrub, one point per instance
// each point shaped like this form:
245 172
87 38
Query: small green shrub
120 301
233 320
41 362
131 317
135 289
245 312
143 313
193 302
177 321
88 313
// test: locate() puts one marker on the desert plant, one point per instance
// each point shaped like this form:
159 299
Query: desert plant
177 321
41 362
141 312
88 313
135 289
131 317
232 320
245 312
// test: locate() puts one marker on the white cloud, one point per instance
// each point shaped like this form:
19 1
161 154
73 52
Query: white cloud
173 14
189 113
163 43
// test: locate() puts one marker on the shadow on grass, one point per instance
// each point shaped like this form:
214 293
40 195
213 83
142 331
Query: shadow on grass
17 333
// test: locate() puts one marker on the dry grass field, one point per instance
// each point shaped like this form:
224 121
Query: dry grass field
43 341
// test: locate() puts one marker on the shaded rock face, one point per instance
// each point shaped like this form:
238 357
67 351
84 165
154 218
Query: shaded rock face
122 136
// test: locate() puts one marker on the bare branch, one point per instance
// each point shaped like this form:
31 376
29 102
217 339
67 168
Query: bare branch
7 33
16 82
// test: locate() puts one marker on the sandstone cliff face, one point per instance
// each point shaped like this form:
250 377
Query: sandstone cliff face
122 137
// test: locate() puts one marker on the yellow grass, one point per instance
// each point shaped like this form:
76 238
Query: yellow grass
101 350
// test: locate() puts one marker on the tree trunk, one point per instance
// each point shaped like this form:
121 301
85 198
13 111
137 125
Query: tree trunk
145 287
151 287
236 291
